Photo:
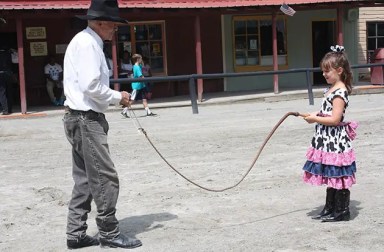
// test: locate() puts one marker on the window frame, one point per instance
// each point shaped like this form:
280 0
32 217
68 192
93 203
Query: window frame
133 41
258 18
370 53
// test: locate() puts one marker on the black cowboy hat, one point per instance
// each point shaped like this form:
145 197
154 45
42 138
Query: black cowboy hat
104 10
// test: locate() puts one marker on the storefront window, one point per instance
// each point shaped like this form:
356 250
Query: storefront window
375 37
253 42
146 39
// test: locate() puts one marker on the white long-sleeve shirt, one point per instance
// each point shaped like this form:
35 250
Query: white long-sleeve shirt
86 74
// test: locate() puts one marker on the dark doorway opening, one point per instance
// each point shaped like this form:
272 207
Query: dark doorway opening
8 41
323 37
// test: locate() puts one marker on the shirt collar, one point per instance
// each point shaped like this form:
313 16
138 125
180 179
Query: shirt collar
96 36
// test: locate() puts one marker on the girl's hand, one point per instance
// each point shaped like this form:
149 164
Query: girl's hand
311 118
303 114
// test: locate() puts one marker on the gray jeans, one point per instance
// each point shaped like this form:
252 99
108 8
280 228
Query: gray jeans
93 172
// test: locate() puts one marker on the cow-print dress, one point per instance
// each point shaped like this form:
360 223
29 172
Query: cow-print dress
331 158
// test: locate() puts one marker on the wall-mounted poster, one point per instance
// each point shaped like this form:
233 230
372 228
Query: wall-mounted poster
36 33
253 44
39 48
156 49
61 48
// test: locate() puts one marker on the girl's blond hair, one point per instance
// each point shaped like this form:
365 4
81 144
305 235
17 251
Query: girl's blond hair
136 57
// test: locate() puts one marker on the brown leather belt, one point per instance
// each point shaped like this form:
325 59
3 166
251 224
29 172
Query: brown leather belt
79 112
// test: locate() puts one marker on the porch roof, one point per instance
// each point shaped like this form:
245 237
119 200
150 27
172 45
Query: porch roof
162 4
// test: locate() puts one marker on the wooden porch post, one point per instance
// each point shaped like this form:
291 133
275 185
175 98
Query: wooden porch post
116 86
199 62
340 13
20 51
275 59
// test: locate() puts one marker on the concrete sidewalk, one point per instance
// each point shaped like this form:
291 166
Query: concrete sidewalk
209 99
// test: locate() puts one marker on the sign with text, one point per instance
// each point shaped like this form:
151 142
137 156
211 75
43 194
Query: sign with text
36 33
39 49
61 48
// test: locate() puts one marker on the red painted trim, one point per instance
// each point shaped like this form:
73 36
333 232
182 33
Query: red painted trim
340 13
274 49
199 61
20 51
116 86
160 4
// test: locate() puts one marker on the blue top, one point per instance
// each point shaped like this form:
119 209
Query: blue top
137 74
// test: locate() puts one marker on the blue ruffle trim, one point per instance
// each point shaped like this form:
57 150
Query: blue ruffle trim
329 171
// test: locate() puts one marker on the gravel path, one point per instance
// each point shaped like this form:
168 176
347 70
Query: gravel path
269 211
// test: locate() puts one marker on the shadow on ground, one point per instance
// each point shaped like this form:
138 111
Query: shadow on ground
353 208
140 224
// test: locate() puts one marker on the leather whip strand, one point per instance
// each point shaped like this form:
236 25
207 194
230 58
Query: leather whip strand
246 173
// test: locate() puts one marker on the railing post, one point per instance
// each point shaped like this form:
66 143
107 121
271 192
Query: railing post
309 86
192 94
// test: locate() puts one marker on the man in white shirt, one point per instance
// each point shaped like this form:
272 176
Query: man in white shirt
88 95
54 75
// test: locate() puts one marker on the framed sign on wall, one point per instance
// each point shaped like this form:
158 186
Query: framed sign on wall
61 48
39 48
36 33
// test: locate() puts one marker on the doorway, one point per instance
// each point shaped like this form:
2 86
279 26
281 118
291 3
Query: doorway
8 41
323 37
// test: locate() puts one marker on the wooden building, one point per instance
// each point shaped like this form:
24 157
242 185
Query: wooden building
188 37
370 35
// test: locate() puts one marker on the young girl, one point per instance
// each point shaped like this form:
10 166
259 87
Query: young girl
331 158
138 88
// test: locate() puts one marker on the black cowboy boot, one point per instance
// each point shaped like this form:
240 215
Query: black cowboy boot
329 204
341 211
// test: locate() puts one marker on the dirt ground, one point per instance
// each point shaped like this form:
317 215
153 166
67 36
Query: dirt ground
270 211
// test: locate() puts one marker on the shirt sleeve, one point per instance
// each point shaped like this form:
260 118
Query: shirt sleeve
343 94
89 70
137 73
46 70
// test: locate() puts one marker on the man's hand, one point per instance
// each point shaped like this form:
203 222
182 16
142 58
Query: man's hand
125 98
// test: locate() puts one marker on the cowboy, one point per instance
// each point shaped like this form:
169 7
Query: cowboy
88 95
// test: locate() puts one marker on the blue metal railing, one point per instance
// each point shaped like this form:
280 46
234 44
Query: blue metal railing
193 77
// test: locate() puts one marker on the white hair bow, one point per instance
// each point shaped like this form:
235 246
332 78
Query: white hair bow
337 48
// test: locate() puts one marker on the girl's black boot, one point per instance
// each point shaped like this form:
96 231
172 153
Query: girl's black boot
341 211
329 204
